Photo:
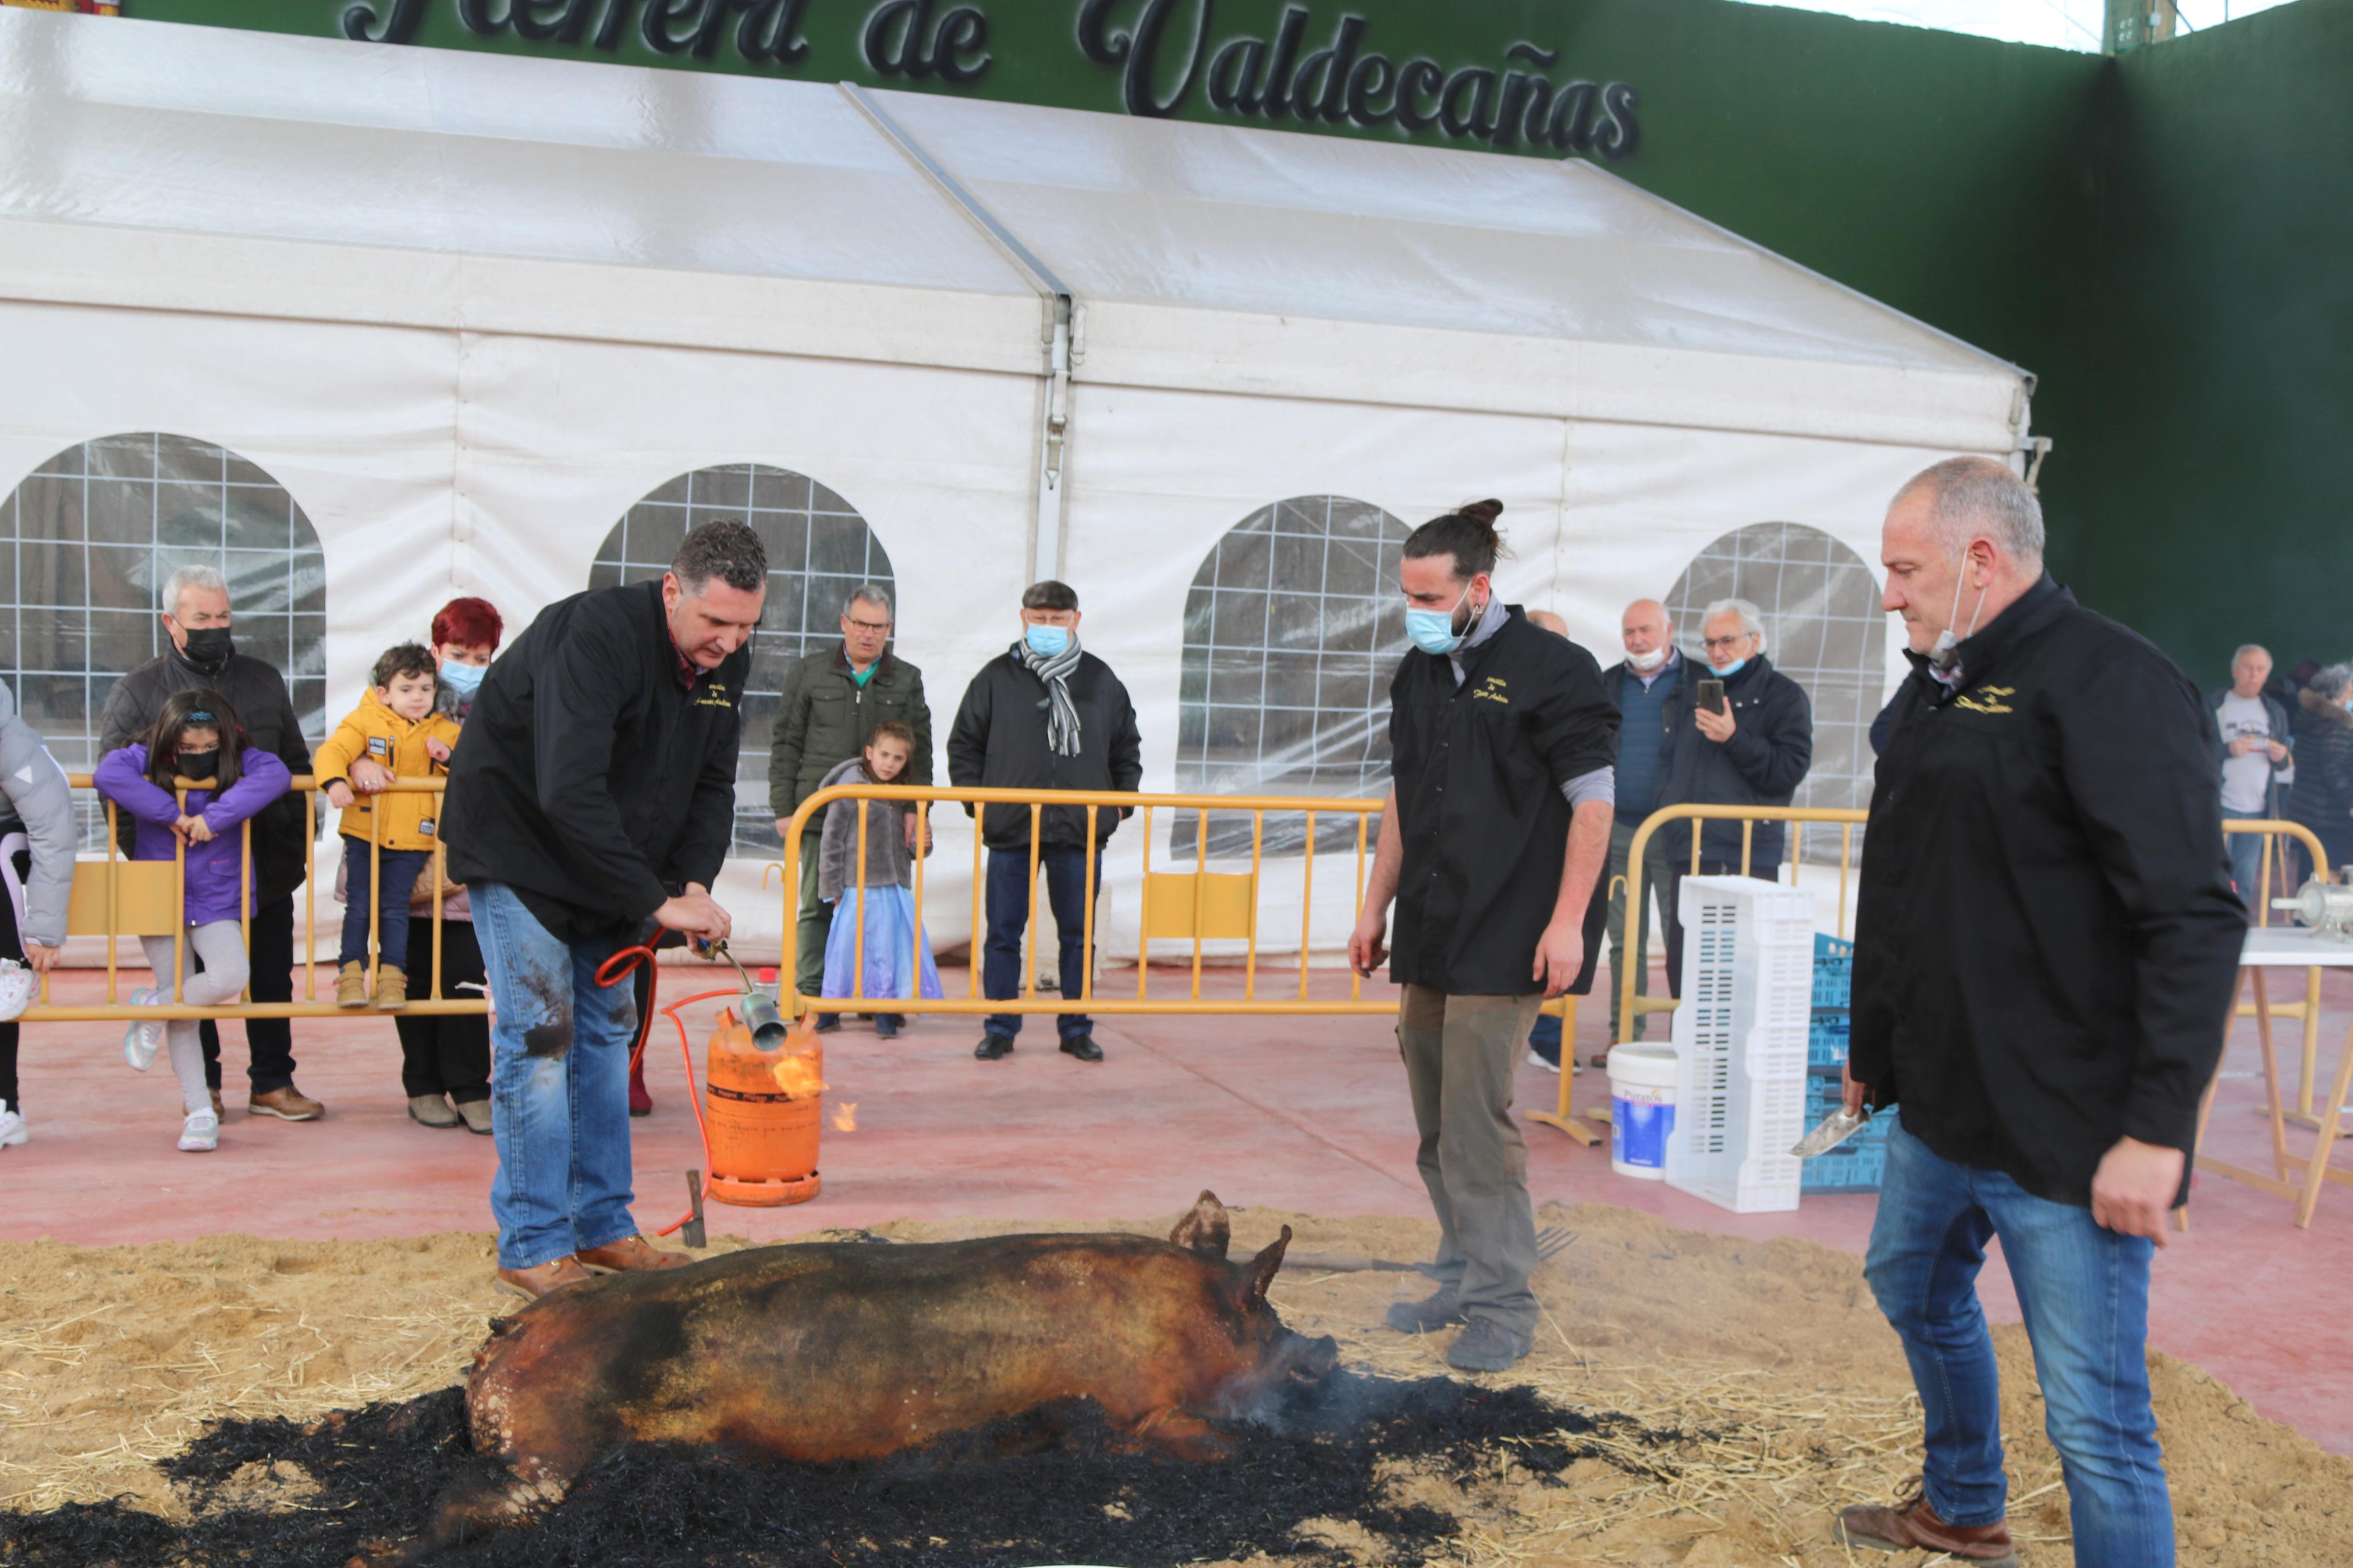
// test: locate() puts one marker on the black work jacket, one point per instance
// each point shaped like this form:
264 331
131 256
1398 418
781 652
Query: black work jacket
1763 764
2047 941
1000 741
591 778
266 709
1478 770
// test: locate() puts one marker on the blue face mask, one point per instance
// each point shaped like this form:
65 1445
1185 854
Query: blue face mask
464 680
1727 672
1047 642
1432 631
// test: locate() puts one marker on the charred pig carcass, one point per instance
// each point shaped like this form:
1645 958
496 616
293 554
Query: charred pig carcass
823 1352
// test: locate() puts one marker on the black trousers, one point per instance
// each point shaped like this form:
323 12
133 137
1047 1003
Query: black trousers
1678 868
271 1041
12 945
448 1053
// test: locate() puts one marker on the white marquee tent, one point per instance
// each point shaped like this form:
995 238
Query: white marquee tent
468 310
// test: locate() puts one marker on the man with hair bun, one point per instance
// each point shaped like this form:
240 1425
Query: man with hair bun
1492 840
591 801
2046 949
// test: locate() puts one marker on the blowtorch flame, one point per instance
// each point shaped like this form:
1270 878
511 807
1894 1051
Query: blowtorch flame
845 1116
797 1076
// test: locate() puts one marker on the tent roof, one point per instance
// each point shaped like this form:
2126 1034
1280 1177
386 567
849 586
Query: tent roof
1227 217
170 166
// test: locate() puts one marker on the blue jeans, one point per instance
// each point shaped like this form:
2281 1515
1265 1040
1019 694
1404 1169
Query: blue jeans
2247 863
559 1085
2084 1293
1008 916
401 869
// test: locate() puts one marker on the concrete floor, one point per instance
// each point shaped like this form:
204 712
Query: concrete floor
1295 1113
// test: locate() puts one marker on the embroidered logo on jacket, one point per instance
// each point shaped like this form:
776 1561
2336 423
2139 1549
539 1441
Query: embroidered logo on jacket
1991 700
713 696
1491 690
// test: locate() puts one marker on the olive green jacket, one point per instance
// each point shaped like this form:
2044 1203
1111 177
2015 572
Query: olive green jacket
826 717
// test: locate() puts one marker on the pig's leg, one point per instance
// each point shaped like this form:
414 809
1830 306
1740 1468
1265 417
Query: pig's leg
1182 1435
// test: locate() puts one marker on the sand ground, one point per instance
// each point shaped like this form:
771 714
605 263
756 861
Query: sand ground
1769 1356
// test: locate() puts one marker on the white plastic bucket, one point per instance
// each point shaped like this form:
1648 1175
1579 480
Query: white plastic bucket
1641 1109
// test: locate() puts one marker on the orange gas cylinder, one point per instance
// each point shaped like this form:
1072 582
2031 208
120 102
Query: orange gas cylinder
760 1115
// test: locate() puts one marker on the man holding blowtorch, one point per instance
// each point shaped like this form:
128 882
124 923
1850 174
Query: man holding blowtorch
591 800
2046 949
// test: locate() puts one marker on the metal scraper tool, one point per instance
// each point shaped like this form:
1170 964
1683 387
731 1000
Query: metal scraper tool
1833 1130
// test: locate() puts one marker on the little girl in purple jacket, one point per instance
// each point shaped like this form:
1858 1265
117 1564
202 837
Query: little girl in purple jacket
185 743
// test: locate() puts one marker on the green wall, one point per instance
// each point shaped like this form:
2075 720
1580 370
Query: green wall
2165 239
2212 502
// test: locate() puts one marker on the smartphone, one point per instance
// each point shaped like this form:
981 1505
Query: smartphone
1711 695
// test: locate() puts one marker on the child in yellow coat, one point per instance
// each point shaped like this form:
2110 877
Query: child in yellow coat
397 727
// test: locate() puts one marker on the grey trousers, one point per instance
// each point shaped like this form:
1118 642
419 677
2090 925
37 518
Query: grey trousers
1656 879
1459 1054
816 922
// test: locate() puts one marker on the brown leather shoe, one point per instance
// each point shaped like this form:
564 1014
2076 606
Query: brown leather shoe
1913 1526
220 1112
287 1104
538 1281
632 1253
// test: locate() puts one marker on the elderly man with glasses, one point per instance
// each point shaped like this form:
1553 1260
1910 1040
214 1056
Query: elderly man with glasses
1739 732
832 700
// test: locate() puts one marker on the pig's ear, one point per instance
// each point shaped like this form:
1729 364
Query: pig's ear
1258 1273
1205 1228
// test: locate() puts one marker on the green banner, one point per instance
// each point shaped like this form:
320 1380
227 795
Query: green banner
1509 77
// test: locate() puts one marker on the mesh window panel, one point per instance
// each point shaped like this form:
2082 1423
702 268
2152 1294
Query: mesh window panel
91 536
818 550
1292 629
1824 629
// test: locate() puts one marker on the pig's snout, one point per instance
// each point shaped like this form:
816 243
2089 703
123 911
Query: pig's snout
1310 1361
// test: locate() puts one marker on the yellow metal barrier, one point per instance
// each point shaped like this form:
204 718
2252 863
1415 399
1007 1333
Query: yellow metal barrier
1199 906
145 898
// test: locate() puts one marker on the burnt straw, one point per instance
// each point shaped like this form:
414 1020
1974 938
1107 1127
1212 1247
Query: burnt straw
1054 1485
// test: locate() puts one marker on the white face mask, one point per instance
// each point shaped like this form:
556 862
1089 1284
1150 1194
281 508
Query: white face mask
1647 662
1943 653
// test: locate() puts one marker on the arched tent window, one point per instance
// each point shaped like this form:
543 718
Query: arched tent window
1292 628
1826 632
818 550
93 534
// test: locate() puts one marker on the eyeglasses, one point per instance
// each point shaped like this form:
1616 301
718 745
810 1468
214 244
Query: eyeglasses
1724 645
867 625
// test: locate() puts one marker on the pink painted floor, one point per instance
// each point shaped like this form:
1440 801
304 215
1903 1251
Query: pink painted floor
1303 1114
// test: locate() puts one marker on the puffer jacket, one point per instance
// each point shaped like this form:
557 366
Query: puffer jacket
407 818
215 869
36 802
2323 798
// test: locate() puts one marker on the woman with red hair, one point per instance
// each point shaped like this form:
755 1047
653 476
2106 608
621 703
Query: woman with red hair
445 1060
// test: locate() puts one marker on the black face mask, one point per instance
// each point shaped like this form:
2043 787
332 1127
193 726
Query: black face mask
208 648
198 764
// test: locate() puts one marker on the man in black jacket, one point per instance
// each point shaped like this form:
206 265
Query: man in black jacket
1754 750
591 801
2045 951
1046 715
196 617
1493 841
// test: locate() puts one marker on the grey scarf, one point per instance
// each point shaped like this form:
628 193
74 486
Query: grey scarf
1062 715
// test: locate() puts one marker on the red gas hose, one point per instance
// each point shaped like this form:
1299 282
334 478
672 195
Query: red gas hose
608 975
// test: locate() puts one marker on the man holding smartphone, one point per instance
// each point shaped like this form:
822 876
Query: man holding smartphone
1740 734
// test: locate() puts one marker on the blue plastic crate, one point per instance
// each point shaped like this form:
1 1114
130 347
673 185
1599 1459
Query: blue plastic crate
1854 1166
1826 1044
1833 971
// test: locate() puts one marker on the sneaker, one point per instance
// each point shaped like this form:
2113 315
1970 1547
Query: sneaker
13 1131
200 1134
1485 1345
391 990
476 1115
886 1025
431 1110
1437 1311
1536 1058
993 1046
350 984
1913 1526
287 1104
141 1041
